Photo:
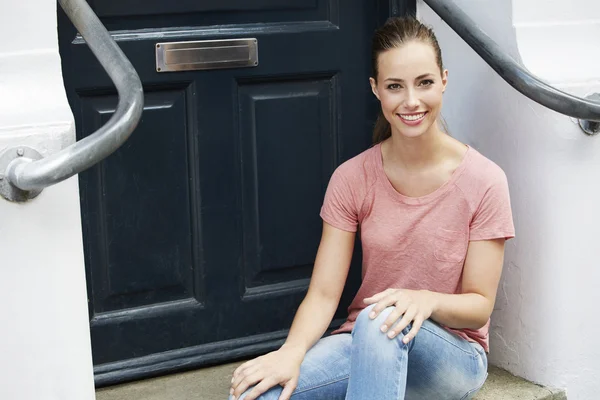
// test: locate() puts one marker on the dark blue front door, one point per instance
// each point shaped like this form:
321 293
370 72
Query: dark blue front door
201 232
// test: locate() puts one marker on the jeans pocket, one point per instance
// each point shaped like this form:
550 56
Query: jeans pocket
469 395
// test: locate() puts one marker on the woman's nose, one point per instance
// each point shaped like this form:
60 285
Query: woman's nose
411 101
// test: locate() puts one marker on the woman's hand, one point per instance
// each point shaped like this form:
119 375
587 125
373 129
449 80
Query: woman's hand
281 367
410 306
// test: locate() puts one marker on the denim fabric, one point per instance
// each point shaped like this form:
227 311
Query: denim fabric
366 364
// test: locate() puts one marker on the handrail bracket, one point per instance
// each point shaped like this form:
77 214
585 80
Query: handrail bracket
591 128
25 173
10 159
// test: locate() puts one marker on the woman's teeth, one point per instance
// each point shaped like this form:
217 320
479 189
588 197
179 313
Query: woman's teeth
412 117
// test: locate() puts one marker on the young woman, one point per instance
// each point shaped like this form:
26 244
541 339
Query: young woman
433 215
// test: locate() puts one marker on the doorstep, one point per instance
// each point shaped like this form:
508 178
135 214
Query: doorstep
213 384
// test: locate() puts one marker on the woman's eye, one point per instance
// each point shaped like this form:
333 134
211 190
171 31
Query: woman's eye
427 82
394 86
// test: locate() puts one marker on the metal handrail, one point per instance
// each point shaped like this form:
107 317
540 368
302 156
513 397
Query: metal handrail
29 175
588 112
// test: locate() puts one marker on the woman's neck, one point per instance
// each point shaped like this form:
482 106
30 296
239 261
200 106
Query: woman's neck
416 153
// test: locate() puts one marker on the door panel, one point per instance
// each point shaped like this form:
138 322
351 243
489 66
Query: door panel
133 264
200 233
288 146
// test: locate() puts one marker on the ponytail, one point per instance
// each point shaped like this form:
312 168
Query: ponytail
382 129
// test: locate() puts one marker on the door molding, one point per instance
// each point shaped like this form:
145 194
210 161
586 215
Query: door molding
186 359
191 358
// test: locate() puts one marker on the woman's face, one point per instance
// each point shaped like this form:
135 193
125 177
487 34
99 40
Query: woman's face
410 86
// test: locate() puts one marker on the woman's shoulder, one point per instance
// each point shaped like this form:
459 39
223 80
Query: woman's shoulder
483 171
481 178
349 186
360 167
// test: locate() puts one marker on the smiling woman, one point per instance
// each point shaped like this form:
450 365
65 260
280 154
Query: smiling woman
415 99
411 48
434 215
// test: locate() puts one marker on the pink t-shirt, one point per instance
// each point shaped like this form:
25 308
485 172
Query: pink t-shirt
417 242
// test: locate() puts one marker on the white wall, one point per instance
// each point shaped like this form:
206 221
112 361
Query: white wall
544 326
558 39
45 348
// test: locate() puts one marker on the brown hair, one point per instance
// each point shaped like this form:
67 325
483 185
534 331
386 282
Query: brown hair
396 32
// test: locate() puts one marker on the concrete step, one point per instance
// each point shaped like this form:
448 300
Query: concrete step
213 384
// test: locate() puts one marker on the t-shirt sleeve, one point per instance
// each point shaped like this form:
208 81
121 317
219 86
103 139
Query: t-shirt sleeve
339 206
493 217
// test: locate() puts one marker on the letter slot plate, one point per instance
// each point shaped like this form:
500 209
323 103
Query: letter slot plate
206 54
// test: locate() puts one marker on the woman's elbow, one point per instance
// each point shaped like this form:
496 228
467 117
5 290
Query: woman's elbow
481 314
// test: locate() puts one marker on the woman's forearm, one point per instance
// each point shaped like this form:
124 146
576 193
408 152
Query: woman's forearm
326 286
311 321
461 311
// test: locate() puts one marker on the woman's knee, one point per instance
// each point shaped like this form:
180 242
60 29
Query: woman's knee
365 325
370 329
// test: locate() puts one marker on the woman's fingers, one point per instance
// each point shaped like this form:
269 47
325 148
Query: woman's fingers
382 304
375 298
246 382
394 316
259 389
256 377
246 372
416 326
243 367
288 389
409 315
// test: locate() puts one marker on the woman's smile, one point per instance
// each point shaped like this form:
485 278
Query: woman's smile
412 119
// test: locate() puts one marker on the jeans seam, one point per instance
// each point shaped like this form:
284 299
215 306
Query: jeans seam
472 354
335 380
400 361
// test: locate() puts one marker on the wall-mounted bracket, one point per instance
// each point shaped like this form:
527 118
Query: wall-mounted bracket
9 159
591 127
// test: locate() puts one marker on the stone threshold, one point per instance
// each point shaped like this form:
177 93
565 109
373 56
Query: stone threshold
213 384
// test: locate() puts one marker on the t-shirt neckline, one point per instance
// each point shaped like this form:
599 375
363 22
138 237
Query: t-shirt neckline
421 199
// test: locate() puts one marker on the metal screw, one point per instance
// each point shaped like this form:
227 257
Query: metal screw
20 152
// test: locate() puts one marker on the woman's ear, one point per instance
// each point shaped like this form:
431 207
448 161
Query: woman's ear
444 80
374 87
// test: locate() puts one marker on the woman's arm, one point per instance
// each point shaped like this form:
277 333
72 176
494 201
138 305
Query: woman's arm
471 309
481 276
326 286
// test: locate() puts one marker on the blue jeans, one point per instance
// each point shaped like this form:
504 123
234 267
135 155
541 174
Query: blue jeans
366 364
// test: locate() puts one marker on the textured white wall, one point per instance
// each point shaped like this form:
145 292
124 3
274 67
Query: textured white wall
44 341
544 327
